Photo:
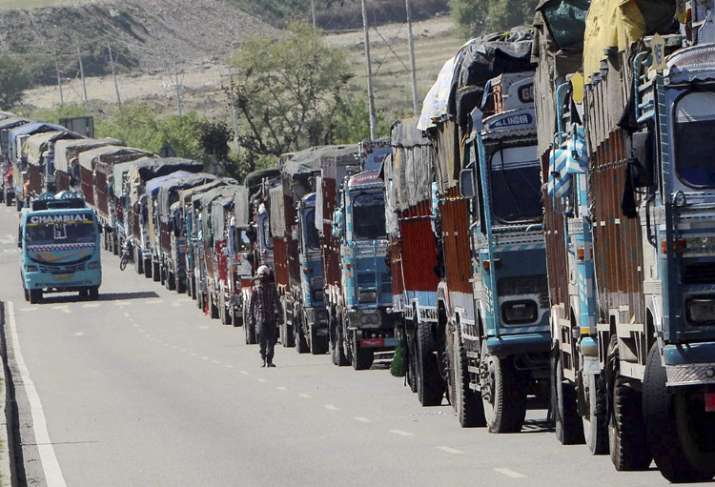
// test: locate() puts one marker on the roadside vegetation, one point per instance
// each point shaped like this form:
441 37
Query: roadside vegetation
14 80
475 17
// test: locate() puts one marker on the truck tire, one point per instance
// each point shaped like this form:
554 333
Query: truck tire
180 284
412 361
301 344
595 426
93 293
35 296
223 311
213 307
362 358
147 268
155 271
430 387
626 429
337 350
170 281
318 343
286 332
467 403
115 243
8 198
249 328
505 401
190 287
567 423
675 429
18 204
138 261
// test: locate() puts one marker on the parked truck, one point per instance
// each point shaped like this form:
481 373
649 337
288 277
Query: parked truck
493 289
360 304
59 248
648 115
413 253
39 152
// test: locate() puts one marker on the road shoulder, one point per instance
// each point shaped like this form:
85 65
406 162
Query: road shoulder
8 470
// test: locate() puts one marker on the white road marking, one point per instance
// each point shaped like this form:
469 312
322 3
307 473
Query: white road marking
228 366
402 433
122 304
25 310
48 459
204 358
60 307
331 407
176 304
362 419
510 473
91 305
450 450
244 372
281 388
305 396
79 334
216 362
262 380
154 301
203 327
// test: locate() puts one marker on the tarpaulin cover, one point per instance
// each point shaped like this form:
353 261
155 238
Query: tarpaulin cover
308 161
188 196
121 175
241 208
221 212
210 222
111 154
437 99
277 212
36 145
28 129
446 154
391 221
66 151
9 122
619 23
319 205
412 165
155 167
173 185
254 178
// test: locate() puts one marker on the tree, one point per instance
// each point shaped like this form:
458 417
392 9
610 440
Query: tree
476 17
288 92
13 82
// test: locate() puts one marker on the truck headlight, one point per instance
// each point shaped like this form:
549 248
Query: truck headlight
701 311
367 319
519 312
367 295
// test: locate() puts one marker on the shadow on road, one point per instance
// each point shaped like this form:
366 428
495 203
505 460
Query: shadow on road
73 298
537 426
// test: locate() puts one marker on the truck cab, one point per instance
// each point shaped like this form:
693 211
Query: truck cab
59 248
365 299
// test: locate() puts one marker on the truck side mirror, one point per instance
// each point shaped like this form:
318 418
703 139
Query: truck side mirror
466 183
337 224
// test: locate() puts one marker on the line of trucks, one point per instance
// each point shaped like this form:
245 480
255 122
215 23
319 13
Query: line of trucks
542 236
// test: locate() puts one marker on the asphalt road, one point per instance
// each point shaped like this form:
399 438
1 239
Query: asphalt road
141 389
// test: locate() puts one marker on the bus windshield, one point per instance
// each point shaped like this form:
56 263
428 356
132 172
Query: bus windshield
369 215
61 232
516 185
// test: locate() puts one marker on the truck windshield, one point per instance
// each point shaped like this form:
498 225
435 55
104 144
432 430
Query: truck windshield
516 185
369 215
694 144
61 232
310 233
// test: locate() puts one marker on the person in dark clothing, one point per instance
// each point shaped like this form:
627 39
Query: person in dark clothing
265 310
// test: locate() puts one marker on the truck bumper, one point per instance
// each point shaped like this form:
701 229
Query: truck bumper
689 365
506 345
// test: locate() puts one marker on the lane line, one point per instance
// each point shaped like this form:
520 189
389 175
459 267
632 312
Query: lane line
228 366
262 380
305 396
91 305
510 473
406 434
122 304
244 372
48 459
281 388
331 407
25 310
155 301
452 451
362 419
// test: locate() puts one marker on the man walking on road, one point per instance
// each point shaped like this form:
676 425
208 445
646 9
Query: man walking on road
265 309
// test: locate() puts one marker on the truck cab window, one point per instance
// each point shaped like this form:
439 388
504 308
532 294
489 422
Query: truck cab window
369 216
516 185
694 144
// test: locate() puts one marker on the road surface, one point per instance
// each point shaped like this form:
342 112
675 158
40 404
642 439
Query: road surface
141 389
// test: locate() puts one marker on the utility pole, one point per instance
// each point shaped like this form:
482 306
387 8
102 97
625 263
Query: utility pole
312 10
234 110
413 64
81 73
59 83
370 95
114 75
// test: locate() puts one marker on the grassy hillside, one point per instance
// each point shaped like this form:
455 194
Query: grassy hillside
10 4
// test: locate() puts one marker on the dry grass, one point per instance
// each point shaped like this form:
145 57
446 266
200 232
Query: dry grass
12 4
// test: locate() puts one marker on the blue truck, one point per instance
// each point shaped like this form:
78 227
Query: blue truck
58 238
361 303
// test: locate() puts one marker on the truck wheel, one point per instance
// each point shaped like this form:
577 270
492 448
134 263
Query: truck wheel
93 293
678 430
362 358
595 426
466 402
318 344
301 345
115 243
412 361
249 328
568 425
180 284
505 398
35 296
170 281
190 287
626 429
213 308
236 318
430 388
138 261
8 199
155 271
18 204
224 312
337 351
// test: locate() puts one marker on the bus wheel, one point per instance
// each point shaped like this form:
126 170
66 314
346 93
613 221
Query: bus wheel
503 393
27 294
35 296
93 293
678 429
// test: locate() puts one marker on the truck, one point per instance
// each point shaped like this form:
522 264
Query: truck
414 258
360 303
648 119
578 379
58 239
493 286
67 173
7 167
39 152
298 267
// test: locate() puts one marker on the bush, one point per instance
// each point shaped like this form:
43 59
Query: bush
13 82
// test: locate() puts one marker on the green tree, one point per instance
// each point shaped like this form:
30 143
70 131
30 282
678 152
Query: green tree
352 122
475 17
13 82
289 92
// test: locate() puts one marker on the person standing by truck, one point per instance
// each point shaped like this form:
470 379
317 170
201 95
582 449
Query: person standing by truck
265 308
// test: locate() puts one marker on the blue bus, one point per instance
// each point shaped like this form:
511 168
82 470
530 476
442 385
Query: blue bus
59 248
